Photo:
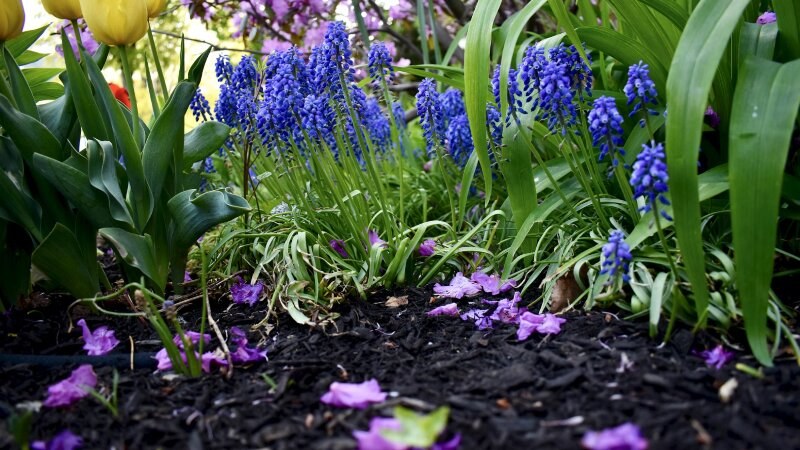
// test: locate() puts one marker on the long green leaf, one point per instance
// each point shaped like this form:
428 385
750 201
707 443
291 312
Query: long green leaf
137 251
61 258
476 81
80 88
202 141
788 12
102 172
193 214
160 146
17 202
19 87
758 40
704 39
670 10
764 110
29 135
564 20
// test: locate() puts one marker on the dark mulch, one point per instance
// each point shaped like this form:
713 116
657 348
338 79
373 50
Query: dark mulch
503 394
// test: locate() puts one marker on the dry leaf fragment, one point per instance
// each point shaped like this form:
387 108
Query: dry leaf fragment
396 302
726 390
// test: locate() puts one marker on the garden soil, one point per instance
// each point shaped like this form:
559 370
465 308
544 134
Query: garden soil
544 393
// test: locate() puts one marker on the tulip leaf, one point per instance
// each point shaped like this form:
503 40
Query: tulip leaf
15 264
140 194
167 132
193 214
59 116
102 171
203 140
62 259
29 135
24 41
196 71
76 187
80 88
16 201
138 252
19 87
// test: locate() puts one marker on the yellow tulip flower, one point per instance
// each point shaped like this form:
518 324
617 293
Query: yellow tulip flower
63 9
116 22
155 7
12 18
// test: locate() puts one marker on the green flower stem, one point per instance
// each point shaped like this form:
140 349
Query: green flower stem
673 268
157 61
583 177
625 186
76 29
387 95
128 75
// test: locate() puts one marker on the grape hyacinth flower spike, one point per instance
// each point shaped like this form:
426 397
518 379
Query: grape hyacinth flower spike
649 177
605 124
380 64
640 89
430 114
617 256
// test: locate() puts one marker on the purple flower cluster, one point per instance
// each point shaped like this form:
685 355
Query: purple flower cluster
624 437
242 292
605 124
640 89
452 104
72 389
200 107
649 177
90 45
431 116
377 125
617 256
237 97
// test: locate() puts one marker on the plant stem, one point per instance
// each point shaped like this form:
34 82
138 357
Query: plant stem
128 75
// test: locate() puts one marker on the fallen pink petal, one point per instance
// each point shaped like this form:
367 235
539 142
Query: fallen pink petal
717 357
72 389
372 439
97 342
242 292
624 437
66 440
338 246
354 395
459 287
450 309
374 239
243 353
482 321
427 248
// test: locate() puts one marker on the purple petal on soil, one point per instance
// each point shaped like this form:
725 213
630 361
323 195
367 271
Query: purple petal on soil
717 357
508 285
243 353
458 288
624 437
540 323
97 342
427 248
491 283
65 440
338 246
242 292
551 324
482 321
72 389
373 440
374 239
164 363
194 338
187 277
508 311
450 309
452 444
217 358
354 395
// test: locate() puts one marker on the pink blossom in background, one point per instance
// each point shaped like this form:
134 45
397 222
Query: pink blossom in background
97 342
72 389
624 437
450 309
354 395
459 287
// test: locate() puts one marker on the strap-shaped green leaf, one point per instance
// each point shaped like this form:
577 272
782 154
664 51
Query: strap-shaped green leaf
476 81
166 133
193 214
758 40
670 10
765 106
202 141
62 259
23 42
102 171
137 251
19 86
788 12
704 39
199 64
87 109
140 195
17 202
29 135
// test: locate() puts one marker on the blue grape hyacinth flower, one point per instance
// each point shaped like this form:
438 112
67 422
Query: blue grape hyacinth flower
380 64
616 256
459 140
605 124
649 177
431 118
452 102
578 70
640 89
515 95
556 95
533 63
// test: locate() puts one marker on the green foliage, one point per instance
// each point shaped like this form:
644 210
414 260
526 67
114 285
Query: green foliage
61 196
418 430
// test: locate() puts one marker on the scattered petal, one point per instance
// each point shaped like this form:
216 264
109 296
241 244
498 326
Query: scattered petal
242 292
551 324
624 437
354 395
374 239
450 309
452 444
427 248
338 246
373 440
72 389
97 342
717 357
458 288
479 316
243 353
65 440
508 311
544 324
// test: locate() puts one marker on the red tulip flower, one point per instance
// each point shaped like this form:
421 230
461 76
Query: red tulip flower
120 93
